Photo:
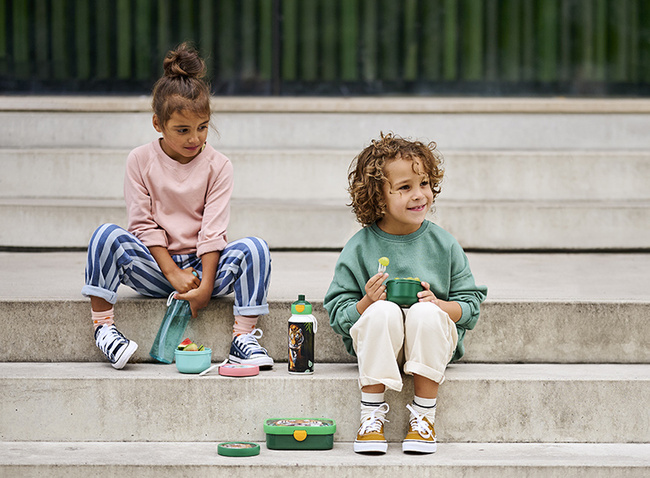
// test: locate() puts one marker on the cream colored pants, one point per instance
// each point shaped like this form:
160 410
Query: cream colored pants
423 336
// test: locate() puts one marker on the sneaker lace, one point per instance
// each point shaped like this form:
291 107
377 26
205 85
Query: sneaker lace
419 424
249 341
107 338
373 421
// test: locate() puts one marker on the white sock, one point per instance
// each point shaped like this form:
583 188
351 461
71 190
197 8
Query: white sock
372 399
425 406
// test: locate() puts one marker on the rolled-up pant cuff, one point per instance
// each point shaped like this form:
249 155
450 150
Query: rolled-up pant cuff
94 291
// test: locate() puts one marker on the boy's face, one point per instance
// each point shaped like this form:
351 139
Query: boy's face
184 135
408 197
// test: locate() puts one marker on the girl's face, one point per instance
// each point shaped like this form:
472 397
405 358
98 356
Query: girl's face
408 197
183 136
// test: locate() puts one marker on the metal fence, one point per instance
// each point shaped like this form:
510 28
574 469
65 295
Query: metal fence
332 47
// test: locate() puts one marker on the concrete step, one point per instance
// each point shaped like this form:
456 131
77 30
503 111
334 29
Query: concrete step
541 308
308 123
322 174
508 331
470 460
328 224
303 224
522 403
508 187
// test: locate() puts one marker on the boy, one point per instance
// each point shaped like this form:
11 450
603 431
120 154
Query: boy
393 185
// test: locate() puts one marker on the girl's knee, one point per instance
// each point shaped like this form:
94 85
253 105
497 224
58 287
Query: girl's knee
102 229
260 243
253 250
106 231
109 227
262 249
253 246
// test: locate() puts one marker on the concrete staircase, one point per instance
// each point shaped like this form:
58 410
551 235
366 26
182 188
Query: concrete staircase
521 174
557 372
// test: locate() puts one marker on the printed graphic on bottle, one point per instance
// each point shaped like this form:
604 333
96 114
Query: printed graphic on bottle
301 347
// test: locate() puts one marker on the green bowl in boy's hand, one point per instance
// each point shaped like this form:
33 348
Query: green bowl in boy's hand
404 292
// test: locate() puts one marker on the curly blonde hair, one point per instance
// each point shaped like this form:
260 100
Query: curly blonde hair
366 174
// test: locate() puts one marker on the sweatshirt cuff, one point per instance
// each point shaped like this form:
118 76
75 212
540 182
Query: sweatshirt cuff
154 237
213 245
466 315
352 316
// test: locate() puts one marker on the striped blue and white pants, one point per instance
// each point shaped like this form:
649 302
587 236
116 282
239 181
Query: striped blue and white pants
115 256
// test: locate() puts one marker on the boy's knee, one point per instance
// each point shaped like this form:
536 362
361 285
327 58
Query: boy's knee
426 315
428 308
384 312
382 320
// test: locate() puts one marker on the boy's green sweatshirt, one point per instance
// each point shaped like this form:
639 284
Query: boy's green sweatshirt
430 253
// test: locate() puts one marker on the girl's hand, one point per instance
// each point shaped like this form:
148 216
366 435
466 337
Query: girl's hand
426 295
183 280
198 298
375 288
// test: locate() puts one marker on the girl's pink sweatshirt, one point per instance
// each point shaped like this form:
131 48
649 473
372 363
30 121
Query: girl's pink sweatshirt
183 207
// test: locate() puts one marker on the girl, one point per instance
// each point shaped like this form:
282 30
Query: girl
393 185
177 191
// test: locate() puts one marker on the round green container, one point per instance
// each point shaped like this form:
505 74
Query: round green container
404 292
241 448
193 362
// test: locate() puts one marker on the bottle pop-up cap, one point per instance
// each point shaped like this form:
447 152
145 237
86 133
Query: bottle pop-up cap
301 306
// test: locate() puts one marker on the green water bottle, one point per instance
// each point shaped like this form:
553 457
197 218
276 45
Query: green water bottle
302 327
171 330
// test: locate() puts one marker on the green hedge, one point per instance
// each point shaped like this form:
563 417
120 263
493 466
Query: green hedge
487 47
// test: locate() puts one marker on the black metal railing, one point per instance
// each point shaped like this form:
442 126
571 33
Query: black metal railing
332 47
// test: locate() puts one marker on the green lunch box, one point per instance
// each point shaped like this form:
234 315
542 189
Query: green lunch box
299 433
404 292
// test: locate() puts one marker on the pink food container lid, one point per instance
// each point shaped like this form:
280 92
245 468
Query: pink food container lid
239 370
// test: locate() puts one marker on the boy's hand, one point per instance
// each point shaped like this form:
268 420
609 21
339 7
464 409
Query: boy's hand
375 288
453 309
183 280
426 295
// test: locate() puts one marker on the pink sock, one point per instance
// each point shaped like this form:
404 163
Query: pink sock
103 318
243 325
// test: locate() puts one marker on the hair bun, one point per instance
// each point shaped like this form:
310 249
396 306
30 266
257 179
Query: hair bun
184 62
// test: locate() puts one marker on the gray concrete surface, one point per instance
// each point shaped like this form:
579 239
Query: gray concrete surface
477 403
508 187
523 175
470 460
473 131
507 331
328 224
415 105
553 308
597 277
